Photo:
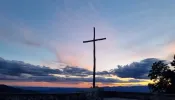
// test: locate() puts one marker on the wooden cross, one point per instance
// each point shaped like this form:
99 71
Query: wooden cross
94 40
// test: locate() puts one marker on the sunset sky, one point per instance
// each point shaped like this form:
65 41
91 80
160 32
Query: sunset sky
41 41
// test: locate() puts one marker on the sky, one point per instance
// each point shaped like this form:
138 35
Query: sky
48 35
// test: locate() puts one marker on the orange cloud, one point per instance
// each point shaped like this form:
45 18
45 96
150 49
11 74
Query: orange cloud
64 55
43 84
68 84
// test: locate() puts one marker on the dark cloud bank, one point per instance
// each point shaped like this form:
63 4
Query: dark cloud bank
138 70
20 71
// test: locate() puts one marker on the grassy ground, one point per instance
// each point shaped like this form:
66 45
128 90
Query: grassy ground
118 99
89 96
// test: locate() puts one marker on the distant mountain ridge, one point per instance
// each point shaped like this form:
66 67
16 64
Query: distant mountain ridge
54 89
10 89
143 89
20 89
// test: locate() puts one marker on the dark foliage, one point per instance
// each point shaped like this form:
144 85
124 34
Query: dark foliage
173 62
163 77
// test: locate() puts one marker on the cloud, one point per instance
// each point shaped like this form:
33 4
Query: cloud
16 68
76 71
18 32
138 70
103 73
20 71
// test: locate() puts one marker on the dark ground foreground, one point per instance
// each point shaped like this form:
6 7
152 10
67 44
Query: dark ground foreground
89 96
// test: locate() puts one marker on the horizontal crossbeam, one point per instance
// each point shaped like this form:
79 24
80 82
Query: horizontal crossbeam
94 40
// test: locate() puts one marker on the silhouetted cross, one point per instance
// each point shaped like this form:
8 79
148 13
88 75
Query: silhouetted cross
94 55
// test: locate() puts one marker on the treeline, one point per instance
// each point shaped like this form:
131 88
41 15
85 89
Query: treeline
163 76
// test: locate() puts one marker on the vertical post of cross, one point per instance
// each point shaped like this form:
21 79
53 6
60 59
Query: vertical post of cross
94 69
94 51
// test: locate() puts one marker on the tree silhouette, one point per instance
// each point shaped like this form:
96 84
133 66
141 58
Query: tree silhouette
173 62
163 77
